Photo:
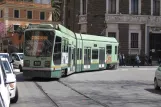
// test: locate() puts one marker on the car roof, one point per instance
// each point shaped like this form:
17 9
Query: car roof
17 53
5 53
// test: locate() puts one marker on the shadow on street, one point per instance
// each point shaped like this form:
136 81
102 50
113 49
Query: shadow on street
154 91
20 78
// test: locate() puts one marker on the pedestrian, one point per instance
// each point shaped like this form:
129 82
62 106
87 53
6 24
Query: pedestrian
137 60
120 59
150 60
146 59
159 61
133 60
123 60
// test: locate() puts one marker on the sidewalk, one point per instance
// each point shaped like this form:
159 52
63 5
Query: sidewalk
137 67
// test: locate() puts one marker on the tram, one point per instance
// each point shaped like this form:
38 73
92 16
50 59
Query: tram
53 52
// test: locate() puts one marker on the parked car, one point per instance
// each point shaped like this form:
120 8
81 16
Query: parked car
2 103
6 55
10 80
4 88
18 60
157 78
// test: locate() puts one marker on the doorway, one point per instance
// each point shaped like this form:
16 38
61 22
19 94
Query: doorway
155 46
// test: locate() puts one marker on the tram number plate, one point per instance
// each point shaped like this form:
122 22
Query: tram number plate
37 63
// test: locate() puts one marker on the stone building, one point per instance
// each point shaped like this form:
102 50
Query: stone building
15 13
136 24
70 14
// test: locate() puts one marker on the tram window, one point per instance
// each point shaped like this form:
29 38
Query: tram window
116 50
108 49
80 53
95 54
57 48
65 45
57 51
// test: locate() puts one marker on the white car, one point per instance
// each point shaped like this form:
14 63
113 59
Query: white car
157 78
4 90
10 80
2 103
6 55
18 60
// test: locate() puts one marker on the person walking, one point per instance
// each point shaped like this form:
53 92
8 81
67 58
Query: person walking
120 59
146 59
133 61
150 60
123 60
159 61
137 60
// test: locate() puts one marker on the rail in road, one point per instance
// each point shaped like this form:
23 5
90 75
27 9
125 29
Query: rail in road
55 104
47 96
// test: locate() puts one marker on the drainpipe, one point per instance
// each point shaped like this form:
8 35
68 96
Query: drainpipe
74 15
64 12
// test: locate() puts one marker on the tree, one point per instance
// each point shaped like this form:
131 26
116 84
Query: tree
20 31
57 10
2 29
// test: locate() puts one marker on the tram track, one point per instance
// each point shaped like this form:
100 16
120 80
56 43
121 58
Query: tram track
80 93
47 96
55 104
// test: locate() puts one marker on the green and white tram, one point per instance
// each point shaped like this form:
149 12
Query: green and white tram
55 52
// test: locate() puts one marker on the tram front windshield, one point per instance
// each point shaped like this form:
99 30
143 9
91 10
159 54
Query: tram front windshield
38 43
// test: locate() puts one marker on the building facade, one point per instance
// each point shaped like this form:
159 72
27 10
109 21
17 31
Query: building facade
136 24
70 14
15 13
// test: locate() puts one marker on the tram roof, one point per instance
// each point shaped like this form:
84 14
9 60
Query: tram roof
86 36
64 30
97 38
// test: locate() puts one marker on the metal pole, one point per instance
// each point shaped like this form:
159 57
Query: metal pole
74 16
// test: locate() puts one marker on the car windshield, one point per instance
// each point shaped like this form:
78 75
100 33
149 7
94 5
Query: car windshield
5 56
21 56
6 66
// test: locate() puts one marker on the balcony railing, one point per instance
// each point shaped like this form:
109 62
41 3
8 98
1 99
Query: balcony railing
136 19
82 19
25 3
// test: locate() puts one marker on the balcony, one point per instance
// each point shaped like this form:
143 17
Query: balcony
25 3
133 19
82 19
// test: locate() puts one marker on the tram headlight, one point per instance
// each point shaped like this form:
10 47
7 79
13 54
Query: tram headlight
47 63
26 63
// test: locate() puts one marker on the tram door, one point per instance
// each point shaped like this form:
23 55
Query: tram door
71 59
101 57
87 58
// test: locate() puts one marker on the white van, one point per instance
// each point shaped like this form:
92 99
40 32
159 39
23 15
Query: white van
18 60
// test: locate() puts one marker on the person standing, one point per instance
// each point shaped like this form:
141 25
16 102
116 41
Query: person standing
146 59
123 60
159 61
150 60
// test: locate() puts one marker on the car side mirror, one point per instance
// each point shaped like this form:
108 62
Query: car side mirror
12 61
